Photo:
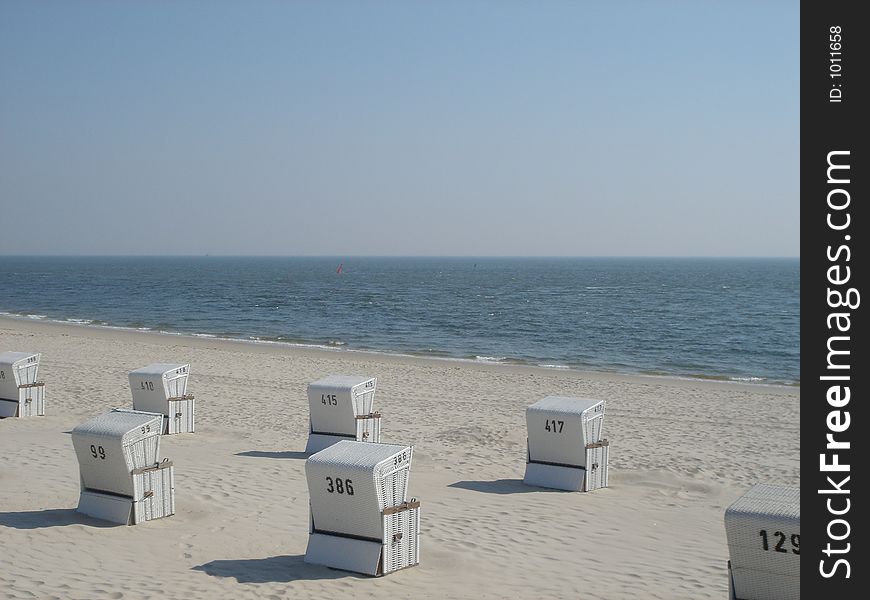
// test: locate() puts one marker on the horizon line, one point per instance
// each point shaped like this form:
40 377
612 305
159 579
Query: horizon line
354 256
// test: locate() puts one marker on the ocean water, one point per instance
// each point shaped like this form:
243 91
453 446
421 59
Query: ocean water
709 318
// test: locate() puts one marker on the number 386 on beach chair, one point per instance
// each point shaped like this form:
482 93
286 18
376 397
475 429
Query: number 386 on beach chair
361 519
340 408
566 450
122 478
21 395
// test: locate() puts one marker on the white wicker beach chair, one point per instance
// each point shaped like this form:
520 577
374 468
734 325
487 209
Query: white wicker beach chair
361 519
162 388
341 408
122 477
566 449
21 395
763 528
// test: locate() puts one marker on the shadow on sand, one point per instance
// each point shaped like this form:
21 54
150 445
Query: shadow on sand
275 569
259 454
499 486
53 517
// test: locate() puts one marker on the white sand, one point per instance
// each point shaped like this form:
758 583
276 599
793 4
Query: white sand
681 451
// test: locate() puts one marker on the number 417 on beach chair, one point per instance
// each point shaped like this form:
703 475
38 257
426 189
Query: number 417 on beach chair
566 450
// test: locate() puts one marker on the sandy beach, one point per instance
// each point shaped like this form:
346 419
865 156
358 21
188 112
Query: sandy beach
681 452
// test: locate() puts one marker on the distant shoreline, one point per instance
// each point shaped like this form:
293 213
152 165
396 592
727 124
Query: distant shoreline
16 322
709 319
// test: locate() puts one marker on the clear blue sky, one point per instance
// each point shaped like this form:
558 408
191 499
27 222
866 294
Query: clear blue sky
399 128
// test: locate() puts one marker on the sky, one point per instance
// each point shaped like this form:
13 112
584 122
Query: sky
474 128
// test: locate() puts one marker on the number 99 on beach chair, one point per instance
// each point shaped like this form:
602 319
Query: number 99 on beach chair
566 450
340 408
21 395
122 477
162 388
763 528
361 519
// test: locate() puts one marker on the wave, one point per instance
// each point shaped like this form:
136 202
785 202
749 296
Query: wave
338 345
80 321
489 358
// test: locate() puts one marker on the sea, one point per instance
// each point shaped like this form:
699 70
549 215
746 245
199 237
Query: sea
709 318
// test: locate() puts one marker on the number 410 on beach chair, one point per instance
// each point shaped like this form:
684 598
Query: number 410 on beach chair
162 388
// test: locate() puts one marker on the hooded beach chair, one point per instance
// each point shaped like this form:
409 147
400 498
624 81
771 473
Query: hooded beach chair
341 408
21 395
122 477
566 450
361 519
162 388
763 528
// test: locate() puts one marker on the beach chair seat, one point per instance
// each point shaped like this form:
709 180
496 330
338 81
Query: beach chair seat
566 448
763 529
341 407
162 388
361 519
21 394
122 477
